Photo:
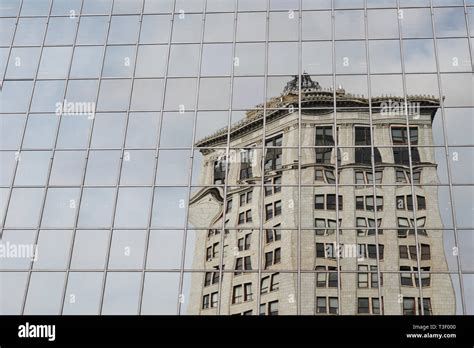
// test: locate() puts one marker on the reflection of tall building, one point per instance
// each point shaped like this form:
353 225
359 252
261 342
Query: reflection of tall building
359 209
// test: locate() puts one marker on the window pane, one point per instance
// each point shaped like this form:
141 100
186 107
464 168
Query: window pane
187 28
317 57
249 59
454 55
121 293
219 27
45 293
284 4
416 23
53 249
283 26
350 57
349 25
382 24
81 95
464 205
127 6
103 168
180 94
169 207
208 122
67 168
158 6
453 95
96 207
47 95
381 3
248 92
251 26
35 7
97 6
142 130
11 139
419 56
283 58
92 30
83 293
60 208
317 25
15 96
87 61
133 205
459 126
119 61
8 162
40 131
61 30
177 129
11 8
33 168
348 3
164 249
385 57
30 31
74 132
90 249
155 29
450 22
13 289
64 7
160 293
220 6
109 131
147 95
189 6
24 207
124 30
127 249
214 94
23 63
252 5
470 18
217 60
137 167
173 167
4 192
450 2
358 83
26 238
151 61
4 52
114 95
184 60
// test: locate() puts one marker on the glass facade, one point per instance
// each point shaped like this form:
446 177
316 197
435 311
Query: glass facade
237 157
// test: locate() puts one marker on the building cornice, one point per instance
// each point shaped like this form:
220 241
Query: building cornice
314 101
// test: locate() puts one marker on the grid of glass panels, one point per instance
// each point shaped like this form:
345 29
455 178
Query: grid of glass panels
106 178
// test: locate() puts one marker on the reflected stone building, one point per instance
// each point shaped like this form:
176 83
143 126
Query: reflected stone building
360 241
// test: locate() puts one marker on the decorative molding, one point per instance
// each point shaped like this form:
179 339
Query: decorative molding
312 96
